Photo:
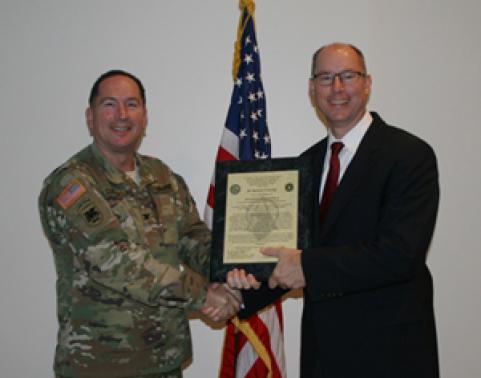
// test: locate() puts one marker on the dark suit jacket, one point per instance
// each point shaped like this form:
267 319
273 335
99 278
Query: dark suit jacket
368 301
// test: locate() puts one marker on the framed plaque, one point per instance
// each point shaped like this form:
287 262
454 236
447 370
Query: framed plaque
259 203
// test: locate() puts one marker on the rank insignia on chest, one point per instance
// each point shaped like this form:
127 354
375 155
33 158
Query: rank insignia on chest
71 194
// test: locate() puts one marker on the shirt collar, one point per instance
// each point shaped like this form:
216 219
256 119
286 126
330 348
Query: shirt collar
353 138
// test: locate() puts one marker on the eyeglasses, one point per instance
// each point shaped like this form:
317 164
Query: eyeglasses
347 77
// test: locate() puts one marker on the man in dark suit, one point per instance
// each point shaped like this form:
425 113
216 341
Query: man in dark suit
368 294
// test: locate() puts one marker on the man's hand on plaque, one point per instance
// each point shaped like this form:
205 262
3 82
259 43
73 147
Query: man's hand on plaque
288 272
221 302
240 279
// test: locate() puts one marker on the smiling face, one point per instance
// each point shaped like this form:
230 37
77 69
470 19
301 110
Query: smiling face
117 117
342 105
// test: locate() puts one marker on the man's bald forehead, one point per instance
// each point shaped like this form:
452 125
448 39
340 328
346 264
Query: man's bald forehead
334 45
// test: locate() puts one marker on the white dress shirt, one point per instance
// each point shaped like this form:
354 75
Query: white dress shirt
351 142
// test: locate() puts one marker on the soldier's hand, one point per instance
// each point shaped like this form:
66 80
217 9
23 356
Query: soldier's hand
221 302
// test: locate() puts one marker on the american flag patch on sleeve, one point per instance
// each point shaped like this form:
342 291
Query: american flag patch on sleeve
71 194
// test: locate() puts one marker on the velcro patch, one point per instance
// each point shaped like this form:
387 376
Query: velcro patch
90 213
71 194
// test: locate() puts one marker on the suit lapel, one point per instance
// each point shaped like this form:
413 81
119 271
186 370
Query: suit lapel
319 156
360 164
316 155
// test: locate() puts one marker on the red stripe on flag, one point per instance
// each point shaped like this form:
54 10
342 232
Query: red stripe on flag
258 370
229 354
210 196
278 306
223 154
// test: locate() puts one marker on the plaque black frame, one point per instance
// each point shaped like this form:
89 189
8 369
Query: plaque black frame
262 271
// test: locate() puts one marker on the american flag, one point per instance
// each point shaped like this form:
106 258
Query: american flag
253 348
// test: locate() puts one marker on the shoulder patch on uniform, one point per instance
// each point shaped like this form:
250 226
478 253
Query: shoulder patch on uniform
90 213
71 194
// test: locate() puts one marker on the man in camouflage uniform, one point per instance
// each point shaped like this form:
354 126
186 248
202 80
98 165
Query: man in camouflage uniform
130 251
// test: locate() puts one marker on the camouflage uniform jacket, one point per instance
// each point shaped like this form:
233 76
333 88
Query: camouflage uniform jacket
130 260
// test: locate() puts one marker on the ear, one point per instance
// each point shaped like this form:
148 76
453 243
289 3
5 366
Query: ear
89 119
146 118
312 90
368 84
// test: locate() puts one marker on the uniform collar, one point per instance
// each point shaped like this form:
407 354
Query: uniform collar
117 176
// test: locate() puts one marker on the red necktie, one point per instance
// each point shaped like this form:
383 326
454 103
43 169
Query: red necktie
331 180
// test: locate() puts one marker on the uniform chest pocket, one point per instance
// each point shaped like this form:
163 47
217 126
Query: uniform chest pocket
130 220
168 216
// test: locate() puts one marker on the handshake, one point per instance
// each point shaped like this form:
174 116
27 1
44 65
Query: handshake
224 300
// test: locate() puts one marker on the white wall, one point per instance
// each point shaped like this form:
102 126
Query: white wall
425 59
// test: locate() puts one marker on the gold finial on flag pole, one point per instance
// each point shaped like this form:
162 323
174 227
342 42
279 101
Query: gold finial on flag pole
250 6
